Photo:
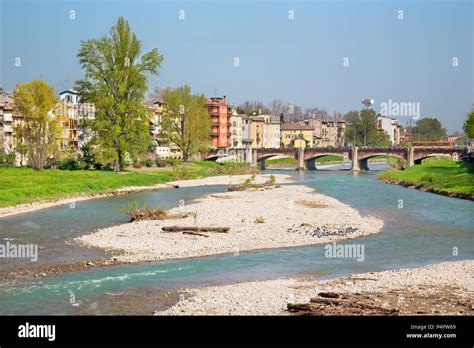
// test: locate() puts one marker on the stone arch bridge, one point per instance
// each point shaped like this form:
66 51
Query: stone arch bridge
359 157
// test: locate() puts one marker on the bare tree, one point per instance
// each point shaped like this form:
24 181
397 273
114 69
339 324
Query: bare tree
278 107
155 95
249 106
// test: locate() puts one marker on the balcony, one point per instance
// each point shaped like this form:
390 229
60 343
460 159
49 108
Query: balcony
215 124
214 134
8 129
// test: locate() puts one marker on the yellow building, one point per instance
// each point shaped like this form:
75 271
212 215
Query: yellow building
257 132
296 135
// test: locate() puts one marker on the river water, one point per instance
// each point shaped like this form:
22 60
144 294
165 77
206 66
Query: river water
420 228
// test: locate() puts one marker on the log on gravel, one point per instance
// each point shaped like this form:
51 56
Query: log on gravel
195 233
195 229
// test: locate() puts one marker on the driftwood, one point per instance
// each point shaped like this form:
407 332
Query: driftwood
195 234
330 303
195 229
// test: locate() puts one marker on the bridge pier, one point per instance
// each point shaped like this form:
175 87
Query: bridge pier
253 157
411 156
310 164
364 164
261 164
355 159
301 161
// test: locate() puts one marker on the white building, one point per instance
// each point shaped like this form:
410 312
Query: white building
390 126
236 130
271 134
7 121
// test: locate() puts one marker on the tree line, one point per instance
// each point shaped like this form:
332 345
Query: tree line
115 81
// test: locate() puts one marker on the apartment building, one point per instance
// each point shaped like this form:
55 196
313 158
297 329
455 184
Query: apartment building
257 131
162 148
297 135
327 133
246 131
271 132
220 112
390 126
75 118
7 121
236 130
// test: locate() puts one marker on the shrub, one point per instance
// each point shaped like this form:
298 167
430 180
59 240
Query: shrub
148 162
136 164
71 164
259 220
160 162
397 163
7 160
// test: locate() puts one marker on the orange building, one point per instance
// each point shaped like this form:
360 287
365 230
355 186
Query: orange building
220 112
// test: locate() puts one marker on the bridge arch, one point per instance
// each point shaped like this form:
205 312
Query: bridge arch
453 155
369 156
316 156
262 158
364 158
213 157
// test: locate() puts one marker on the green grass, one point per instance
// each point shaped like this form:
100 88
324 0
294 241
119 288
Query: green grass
440 175
292 162
26 185
286 160
330 158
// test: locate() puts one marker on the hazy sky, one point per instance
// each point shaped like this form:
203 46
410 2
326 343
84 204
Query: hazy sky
299 60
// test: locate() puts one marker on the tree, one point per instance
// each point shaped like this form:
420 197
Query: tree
248 106
155 95
278 107
115 81
469 125
314 112
185 121
352 127
361 129
39 128
428 129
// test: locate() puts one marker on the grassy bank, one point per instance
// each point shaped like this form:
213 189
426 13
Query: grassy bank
25 185
446 177
290 161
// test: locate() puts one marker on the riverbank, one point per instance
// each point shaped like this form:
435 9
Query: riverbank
24 190
441 289
445 177
262 218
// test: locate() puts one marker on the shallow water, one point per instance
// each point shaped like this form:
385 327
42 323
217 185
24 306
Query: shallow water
424 231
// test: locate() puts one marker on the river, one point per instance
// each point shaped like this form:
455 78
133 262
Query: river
420 228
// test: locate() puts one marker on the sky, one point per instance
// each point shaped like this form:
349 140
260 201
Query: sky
326 54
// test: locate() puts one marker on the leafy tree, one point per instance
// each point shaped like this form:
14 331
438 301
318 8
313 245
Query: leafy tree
39 128
469 125
185 121
361 129
428 129
115 81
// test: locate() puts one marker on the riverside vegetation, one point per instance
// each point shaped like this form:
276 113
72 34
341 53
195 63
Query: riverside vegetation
451 178
26 185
